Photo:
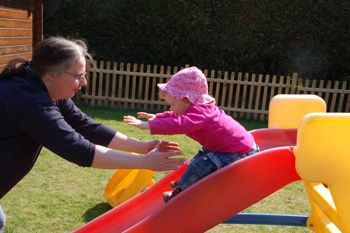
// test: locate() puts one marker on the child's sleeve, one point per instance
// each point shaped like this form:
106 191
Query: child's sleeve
165 114
173 124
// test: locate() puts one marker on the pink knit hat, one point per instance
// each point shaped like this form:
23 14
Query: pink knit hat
190 83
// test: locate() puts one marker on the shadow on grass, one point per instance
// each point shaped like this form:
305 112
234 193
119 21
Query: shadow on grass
96 211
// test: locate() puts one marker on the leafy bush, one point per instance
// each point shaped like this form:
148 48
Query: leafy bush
308 37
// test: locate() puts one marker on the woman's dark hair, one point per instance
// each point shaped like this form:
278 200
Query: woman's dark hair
54 54
16 67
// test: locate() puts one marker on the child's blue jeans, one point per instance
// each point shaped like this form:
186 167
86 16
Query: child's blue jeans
2 220
206 162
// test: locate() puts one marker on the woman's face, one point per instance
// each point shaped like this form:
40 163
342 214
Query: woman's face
65 85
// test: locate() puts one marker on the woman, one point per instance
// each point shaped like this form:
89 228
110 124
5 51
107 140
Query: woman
36 111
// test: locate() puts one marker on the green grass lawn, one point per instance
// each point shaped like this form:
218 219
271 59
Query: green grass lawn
58 196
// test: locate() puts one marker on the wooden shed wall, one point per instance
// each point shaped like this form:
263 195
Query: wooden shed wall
20 28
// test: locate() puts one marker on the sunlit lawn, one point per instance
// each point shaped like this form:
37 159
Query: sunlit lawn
58 196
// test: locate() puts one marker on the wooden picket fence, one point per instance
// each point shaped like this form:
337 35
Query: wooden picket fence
133 86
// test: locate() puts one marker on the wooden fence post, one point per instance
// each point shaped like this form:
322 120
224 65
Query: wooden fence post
247 96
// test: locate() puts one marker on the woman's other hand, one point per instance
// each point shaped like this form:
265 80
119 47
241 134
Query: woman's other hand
159 160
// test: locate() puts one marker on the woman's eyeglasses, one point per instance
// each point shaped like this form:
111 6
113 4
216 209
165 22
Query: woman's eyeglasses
77 77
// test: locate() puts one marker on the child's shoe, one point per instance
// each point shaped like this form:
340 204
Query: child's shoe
174 184
170 194
167 196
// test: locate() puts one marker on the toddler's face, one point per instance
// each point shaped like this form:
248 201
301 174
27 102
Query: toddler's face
179 107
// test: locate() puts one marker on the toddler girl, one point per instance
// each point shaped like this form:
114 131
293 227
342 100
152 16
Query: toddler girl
194 113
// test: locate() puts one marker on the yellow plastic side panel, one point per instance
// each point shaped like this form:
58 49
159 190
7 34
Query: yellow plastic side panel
321 202
125 184
323 157
318 222
142 180
286 111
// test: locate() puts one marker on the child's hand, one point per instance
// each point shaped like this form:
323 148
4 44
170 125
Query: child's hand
136 122
145 115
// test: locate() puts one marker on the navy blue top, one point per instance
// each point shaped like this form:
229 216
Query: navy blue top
29 119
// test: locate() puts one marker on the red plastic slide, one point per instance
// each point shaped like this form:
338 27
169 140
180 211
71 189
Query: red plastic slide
272 138
210 201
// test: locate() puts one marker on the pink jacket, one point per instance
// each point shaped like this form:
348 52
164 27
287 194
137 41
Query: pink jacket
206 124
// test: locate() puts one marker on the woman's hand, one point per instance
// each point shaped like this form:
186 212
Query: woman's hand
124 143
164 146
159 158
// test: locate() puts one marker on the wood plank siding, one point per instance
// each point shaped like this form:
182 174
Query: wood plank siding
21 27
